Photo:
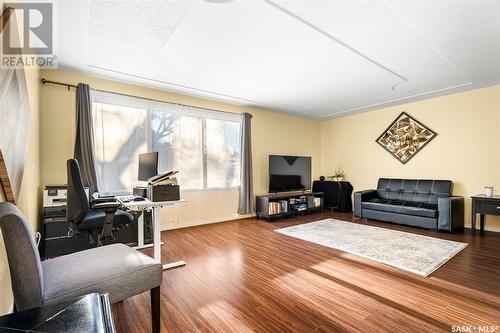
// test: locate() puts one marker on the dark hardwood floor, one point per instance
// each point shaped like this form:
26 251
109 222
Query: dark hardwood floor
242 277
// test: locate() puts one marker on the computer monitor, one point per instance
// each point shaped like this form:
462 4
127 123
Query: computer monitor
148 165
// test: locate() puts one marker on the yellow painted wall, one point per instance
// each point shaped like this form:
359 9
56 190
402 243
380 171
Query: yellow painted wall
272 133
466 150
29 194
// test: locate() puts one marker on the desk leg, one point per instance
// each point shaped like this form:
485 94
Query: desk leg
140 234
481 222
140 230
156 234
157 241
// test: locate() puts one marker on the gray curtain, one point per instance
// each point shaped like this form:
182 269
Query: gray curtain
246 205
84 143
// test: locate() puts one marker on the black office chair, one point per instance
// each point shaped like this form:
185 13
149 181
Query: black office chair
87 217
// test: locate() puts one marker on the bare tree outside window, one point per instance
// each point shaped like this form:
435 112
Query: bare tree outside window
204 147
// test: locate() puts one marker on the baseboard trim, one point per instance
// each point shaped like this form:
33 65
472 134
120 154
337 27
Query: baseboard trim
203 222
486 228
241 217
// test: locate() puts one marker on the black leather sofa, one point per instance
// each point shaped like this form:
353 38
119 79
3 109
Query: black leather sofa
421 203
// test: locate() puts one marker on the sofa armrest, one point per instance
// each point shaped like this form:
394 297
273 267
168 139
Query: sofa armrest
451 213
360 196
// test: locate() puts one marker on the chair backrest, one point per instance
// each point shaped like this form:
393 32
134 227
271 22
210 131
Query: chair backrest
415 190
24 260
78 202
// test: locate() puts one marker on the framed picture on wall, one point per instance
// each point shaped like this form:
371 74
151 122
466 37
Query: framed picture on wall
405 137
15 124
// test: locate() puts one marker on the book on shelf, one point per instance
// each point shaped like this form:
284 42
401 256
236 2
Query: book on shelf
274 208
278 207
317 202
301 199
284 206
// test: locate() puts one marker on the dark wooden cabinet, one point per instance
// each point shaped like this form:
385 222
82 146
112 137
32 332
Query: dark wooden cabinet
55 240
337 195
484 205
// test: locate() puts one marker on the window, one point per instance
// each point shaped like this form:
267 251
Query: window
203 145
222 153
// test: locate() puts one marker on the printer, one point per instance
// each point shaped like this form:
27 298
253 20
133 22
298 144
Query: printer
163 187
57 195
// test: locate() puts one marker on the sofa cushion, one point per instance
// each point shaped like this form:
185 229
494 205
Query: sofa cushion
413 190
115 269
402 207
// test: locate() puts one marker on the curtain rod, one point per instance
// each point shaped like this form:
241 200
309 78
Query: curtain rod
45 81
69 86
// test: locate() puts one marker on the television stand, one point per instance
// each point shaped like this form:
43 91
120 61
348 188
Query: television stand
272 206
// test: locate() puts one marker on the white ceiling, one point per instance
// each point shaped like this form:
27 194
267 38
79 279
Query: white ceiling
315 58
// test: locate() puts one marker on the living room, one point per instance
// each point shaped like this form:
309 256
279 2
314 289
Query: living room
389 111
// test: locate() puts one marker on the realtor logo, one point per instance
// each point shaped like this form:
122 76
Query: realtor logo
28 35
36 23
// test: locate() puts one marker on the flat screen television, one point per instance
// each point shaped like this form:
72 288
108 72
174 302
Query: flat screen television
289 173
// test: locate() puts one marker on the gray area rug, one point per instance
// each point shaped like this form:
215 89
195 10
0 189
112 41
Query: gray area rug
414 253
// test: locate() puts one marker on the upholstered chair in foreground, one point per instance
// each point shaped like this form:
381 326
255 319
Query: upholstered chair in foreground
115 269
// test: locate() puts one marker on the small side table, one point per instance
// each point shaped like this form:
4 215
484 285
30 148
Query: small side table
336 194
484 205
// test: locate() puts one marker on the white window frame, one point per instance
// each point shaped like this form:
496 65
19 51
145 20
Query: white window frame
203 113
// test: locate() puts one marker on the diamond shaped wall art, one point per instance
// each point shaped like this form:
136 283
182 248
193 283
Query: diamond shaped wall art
405 137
